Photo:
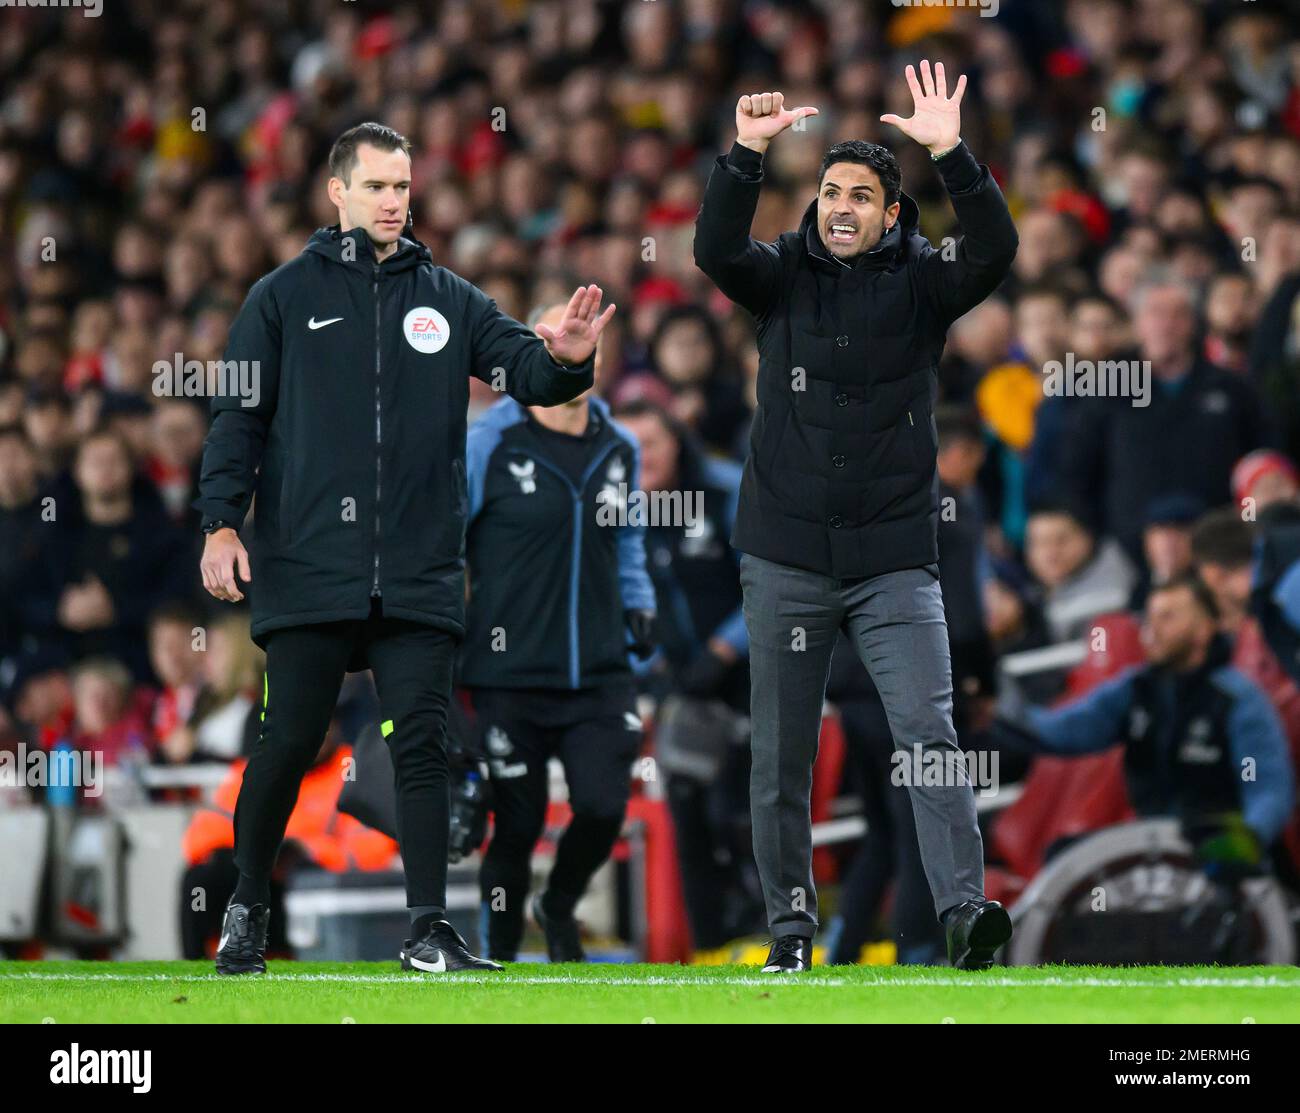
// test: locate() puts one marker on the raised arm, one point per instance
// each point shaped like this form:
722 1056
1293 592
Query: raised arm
742 268
538 372
958 280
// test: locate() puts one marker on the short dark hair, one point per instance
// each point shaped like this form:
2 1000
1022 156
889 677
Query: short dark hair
1200 591
956 422
1222 537
644 407
1064 506
880 159
343 155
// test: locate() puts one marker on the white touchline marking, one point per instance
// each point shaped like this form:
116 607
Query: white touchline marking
974 982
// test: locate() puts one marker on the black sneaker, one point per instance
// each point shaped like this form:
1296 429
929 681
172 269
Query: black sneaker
442 950
242 949
976 929
563 942
790 954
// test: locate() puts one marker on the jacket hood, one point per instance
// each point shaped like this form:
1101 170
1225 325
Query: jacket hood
330 242
882 254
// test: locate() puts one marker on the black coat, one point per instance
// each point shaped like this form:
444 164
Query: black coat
841 469
360 430
1118 457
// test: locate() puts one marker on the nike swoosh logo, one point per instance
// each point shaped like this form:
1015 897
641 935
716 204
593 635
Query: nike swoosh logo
315 324
439 967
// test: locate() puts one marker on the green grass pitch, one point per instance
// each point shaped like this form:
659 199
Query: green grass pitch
372 992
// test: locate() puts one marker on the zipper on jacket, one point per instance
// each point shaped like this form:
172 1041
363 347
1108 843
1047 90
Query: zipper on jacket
374 590
575 658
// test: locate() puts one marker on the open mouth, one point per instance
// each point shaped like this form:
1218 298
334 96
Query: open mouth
843 233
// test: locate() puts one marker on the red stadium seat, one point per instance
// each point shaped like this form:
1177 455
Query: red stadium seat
1067 797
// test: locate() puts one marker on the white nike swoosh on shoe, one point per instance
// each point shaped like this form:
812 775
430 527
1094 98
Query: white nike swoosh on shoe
315 324
439 967
225 936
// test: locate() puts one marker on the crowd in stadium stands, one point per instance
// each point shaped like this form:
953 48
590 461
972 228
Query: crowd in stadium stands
155 161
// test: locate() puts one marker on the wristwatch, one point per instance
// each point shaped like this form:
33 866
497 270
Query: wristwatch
212 527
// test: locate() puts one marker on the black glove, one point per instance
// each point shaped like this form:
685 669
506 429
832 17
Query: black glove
641 625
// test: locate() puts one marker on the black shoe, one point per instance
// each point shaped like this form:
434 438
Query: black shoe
563 943
789 955
442 950
976 928
242 949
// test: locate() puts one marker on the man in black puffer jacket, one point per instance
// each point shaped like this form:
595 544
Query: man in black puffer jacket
838 508
353 364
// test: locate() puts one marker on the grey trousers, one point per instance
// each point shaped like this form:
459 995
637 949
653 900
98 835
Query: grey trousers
896 623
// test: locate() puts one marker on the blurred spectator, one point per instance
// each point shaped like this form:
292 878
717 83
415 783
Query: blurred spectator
1264 477
1166 542
109 729
1199 421
1080 576
107 559
963 559
20 526
1189 722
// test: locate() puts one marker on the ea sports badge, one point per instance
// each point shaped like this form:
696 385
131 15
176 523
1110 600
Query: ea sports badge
425 329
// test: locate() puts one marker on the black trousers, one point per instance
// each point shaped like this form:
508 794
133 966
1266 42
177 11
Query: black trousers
305 666
596 736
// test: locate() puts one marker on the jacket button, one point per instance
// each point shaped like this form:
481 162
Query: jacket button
838 461
842 341
841 399
836 521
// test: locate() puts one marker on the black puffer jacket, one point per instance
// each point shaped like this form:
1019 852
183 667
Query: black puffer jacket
359 430
841 469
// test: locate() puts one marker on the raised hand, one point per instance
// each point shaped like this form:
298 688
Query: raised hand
760 117
935 121
574 338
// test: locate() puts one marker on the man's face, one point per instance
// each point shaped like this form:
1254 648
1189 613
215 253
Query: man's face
1094 330
1230 585
1168 549
658 451
1165 325
17 471
377 196
851 212
1176 628
1056 547
1043 326
103 468
172 654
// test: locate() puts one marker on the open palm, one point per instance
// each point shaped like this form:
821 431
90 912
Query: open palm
574 338
935 121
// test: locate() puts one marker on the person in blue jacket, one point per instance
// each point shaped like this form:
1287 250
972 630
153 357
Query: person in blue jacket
1202 743
558 597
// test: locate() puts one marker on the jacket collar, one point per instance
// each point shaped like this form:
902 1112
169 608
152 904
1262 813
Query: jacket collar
509 411
882 256
330 242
